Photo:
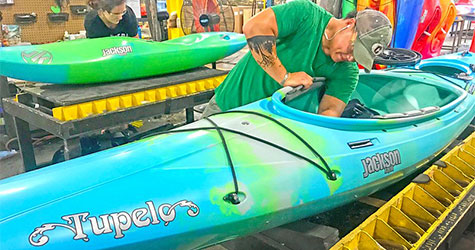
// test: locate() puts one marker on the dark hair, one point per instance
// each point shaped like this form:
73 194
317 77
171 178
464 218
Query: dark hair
106 5
351 14
93 4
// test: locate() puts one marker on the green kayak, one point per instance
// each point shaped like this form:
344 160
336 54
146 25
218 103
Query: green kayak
111 59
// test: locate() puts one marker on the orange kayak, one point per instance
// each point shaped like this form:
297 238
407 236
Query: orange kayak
437 37
388 7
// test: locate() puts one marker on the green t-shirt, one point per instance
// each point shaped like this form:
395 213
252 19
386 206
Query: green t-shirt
300 24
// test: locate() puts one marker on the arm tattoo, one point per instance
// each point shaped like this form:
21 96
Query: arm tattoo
264 50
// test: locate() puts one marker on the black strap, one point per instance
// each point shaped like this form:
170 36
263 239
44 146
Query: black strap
233 198
330 174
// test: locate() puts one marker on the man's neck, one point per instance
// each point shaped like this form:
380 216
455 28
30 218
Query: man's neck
332 27
106 22
329 31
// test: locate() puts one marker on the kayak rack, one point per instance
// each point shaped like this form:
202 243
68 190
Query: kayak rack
71 111
424 214
82 110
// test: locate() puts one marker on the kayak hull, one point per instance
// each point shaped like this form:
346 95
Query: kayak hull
87 61
171 191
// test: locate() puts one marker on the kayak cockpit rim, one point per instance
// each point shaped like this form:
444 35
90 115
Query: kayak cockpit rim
380 122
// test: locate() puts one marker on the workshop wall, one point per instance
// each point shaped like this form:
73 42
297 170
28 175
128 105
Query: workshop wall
43 30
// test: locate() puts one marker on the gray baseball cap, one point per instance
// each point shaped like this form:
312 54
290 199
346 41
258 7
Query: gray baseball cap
374 35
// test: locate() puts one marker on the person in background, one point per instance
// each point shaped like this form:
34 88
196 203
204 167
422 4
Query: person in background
110 18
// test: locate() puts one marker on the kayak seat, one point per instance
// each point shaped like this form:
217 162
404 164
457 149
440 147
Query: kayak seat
422 95
389 98
365 95
415 96
400 95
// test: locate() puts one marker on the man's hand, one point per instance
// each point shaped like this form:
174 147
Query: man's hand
299 78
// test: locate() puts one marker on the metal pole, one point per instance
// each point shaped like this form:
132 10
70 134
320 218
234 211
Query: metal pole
26 145
151 6
5 92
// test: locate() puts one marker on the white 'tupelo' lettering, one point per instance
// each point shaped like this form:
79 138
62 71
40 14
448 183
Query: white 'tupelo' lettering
119 221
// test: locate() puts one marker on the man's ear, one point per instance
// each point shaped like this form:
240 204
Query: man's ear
350 21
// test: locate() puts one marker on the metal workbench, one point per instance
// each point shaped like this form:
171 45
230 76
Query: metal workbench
36 101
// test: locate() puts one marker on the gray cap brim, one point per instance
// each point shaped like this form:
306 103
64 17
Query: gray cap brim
362 55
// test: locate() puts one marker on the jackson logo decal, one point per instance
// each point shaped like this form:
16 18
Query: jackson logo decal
117 222
122 51
381 161
37 56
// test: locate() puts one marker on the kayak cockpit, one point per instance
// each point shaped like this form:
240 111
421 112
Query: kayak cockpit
395 100
449 65
398 97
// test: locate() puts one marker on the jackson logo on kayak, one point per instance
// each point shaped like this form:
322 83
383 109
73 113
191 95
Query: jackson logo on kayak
119 221
380 161
122 51
37 56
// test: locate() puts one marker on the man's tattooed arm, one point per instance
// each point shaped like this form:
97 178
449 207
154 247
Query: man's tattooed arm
263 49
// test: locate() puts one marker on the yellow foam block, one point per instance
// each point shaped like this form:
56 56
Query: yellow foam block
99 107
113 103
138 98
181 89
216 82
191 87
125 101
85 109
161 94
150 96
200 85
172 91
208 83
58 113
70 112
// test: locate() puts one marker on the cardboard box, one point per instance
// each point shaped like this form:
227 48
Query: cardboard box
238 21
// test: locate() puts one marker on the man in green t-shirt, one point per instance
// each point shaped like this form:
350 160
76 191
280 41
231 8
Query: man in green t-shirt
291 43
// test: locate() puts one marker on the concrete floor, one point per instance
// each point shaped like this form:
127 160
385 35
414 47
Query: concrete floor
44 151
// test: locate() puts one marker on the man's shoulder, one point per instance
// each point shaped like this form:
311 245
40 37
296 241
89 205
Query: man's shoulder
130 13
350 66
129 19
304 4
91 17
345 70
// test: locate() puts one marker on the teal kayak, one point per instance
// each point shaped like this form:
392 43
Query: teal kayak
239 172
109 59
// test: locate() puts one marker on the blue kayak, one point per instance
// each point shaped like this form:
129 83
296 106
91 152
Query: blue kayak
240 172
408 13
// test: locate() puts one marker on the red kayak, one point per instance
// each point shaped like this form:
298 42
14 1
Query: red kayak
430 18
436 39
